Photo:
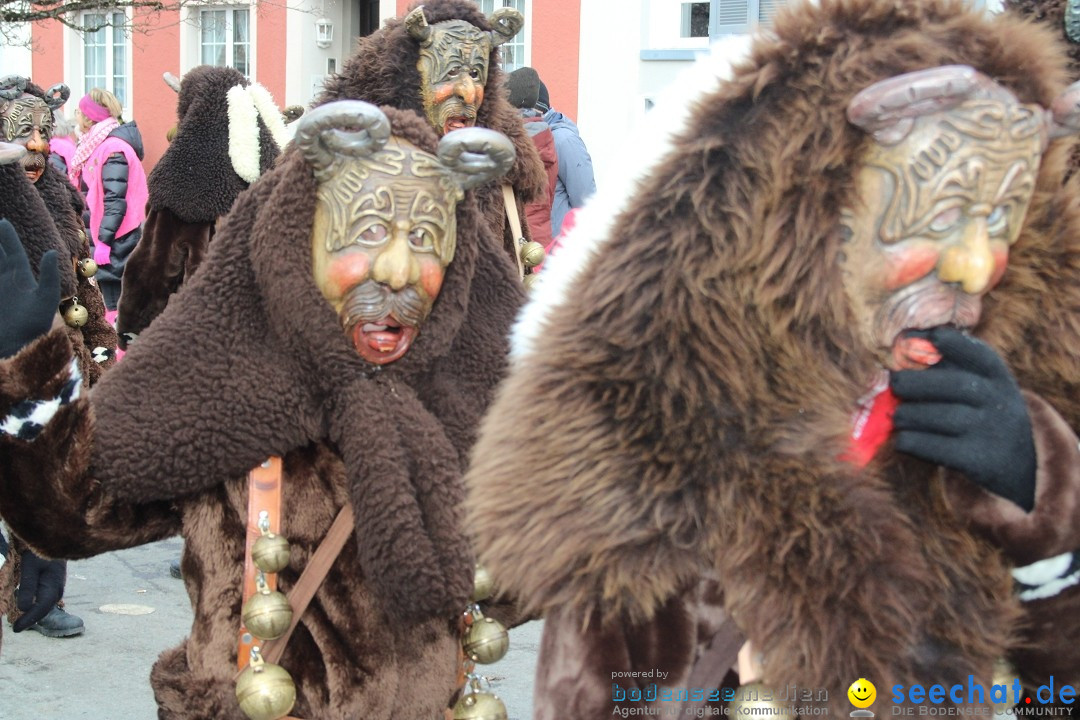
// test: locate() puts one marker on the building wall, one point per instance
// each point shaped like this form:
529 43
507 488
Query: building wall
556 51
152 102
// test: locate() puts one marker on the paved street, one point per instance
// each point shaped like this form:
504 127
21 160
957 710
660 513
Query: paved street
133 610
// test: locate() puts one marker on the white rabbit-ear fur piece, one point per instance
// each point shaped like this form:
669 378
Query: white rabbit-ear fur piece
270 114
243 134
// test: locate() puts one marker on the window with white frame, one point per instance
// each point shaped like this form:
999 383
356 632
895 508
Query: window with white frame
105 53
513 52
730 17
695 20
225 38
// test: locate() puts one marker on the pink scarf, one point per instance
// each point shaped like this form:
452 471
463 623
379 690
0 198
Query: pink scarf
88 144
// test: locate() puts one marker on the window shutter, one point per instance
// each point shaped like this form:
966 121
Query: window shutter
767 9
729 17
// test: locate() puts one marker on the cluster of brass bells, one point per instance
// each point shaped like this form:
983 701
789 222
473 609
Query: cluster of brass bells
266 691
75 314
483 641
532 254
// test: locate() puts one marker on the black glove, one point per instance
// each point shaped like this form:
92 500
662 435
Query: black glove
29 305
41 585
967 413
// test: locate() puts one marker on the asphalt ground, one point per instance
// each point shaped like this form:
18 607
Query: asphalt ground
133 609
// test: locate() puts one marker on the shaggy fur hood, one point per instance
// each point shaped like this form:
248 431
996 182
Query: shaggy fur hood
195 178
1052 14
382 70
292 378
694 374
23 206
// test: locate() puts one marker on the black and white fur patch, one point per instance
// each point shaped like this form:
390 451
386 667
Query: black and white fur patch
101 354
29 417
1046 578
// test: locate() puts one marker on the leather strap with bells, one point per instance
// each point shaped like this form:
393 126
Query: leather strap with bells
264 495
515 226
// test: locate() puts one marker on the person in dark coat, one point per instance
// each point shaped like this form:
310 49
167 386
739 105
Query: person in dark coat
576 182
523 86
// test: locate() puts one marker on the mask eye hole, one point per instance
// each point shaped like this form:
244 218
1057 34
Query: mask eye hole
421 239
372 235
945 221
997 221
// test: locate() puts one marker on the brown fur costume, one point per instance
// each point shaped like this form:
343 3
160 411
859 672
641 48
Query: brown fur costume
382 70
696 388
192 186
201 398
25 208
65 204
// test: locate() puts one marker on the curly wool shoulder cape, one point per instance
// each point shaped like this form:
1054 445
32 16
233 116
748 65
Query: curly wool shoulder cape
206 395
696 371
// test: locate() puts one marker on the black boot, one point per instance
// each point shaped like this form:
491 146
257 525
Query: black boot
174 569
59 623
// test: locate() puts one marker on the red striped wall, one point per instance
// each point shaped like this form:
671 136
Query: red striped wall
153 53
270 49
48 59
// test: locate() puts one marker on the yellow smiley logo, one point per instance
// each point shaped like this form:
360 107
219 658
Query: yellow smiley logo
862 693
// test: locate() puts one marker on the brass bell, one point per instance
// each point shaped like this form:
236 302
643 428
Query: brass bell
486 641
530 280
75 314
483 585
267 614
265 691
1004 674
87 267
270 553
748 702
532 253
480 706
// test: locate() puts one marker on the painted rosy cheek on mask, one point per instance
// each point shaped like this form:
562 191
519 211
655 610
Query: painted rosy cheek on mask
906 265
347 270
1000 255
443 92
431 277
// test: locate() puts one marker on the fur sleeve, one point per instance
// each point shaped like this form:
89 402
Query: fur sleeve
1053 526
48 495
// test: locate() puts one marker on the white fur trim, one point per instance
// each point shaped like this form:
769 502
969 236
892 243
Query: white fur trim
593 223
270 114
1043 571
243 133
28 418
